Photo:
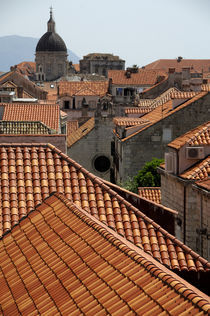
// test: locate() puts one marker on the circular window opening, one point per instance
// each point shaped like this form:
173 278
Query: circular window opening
102 164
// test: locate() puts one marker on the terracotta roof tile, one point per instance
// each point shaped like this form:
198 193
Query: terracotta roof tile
129 121
164 97
147 105
183 94
49 114
196 65
200 171
74 134
163 111
76 67
138 110
27 68
72 126
22 127
195 137
153 193
142 77
29 174
60 260
86 88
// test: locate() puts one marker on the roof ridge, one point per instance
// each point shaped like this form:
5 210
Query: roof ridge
154 267
188 102
128 204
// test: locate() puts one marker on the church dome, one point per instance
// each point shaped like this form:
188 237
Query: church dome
52 42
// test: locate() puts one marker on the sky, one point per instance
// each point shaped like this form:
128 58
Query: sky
138 31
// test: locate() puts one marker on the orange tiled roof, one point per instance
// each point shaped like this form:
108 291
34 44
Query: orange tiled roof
49 114
183 94
129 121
72 126
25 127
161 112
138 110
29 174
153 193
60 260
195 137
27 67
147 105
145 102
63 114
196 65
77 134
142 77
164 97
86 88
200 171
76 67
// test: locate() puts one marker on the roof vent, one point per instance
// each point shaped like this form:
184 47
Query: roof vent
128 74
195 153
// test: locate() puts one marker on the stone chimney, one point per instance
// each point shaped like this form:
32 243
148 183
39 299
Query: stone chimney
171 76
186 73
20 92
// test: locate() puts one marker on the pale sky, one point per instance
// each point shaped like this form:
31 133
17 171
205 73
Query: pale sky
138 31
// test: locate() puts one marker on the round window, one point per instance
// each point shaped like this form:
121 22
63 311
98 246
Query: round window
102 164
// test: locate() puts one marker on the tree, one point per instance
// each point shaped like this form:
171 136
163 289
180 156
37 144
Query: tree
146 177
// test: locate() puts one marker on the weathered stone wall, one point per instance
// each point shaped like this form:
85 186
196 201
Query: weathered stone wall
100 66
193 205
95 143
54 64
152 141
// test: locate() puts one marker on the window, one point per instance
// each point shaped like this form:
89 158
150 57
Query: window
119 91
102 163
167 134
73 103
92 102
66 104
48 67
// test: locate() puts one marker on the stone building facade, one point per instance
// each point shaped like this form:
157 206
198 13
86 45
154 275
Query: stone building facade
51 55
185 187
101 63
165 124
96 146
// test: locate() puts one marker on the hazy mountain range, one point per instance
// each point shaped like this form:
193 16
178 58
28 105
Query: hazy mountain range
15 49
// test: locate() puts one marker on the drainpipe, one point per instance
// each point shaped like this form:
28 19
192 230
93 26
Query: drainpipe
201 225
184 224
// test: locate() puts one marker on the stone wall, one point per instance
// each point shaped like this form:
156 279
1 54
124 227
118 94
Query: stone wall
96 143
52 64
193 204
152 141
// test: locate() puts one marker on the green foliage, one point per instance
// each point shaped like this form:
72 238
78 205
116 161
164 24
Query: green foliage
146 177
130 184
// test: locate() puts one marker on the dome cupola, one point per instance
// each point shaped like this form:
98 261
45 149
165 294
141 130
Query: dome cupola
51 41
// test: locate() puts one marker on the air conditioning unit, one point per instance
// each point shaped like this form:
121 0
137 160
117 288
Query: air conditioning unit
195 153
169 162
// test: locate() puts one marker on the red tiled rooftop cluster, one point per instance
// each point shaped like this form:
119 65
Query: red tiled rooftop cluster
29 174
61 260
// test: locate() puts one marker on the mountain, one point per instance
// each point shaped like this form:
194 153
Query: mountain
15 49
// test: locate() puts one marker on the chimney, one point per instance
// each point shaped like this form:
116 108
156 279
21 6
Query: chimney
186 73
171 76
110 86
171 70
20 92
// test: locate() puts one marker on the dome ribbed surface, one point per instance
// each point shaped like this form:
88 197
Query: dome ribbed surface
51 41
